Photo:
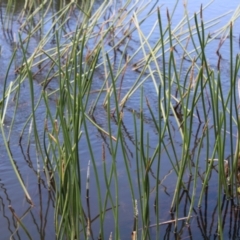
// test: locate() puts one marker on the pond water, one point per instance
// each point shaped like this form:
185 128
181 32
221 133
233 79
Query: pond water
39 219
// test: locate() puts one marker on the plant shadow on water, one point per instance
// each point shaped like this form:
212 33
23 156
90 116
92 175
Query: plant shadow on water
115 128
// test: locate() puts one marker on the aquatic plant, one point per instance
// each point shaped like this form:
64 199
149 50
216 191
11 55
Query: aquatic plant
87 68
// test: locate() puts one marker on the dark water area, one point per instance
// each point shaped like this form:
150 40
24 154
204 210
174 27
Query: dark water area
39 219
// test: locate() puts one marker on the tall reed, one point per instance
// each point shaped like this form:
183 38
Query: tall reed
185 129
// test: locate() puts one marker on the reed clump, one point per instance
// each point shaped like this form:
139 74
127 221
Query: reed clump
133 112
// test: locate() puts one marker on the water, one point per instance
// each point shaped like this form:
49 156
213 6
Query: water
39 219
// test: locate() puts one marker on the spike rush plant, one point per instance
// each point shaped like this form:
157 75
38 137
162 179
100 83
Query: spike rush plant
128 130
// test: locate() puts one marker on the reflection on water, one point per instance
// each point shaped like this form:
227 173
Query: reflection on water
15 210
39 218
